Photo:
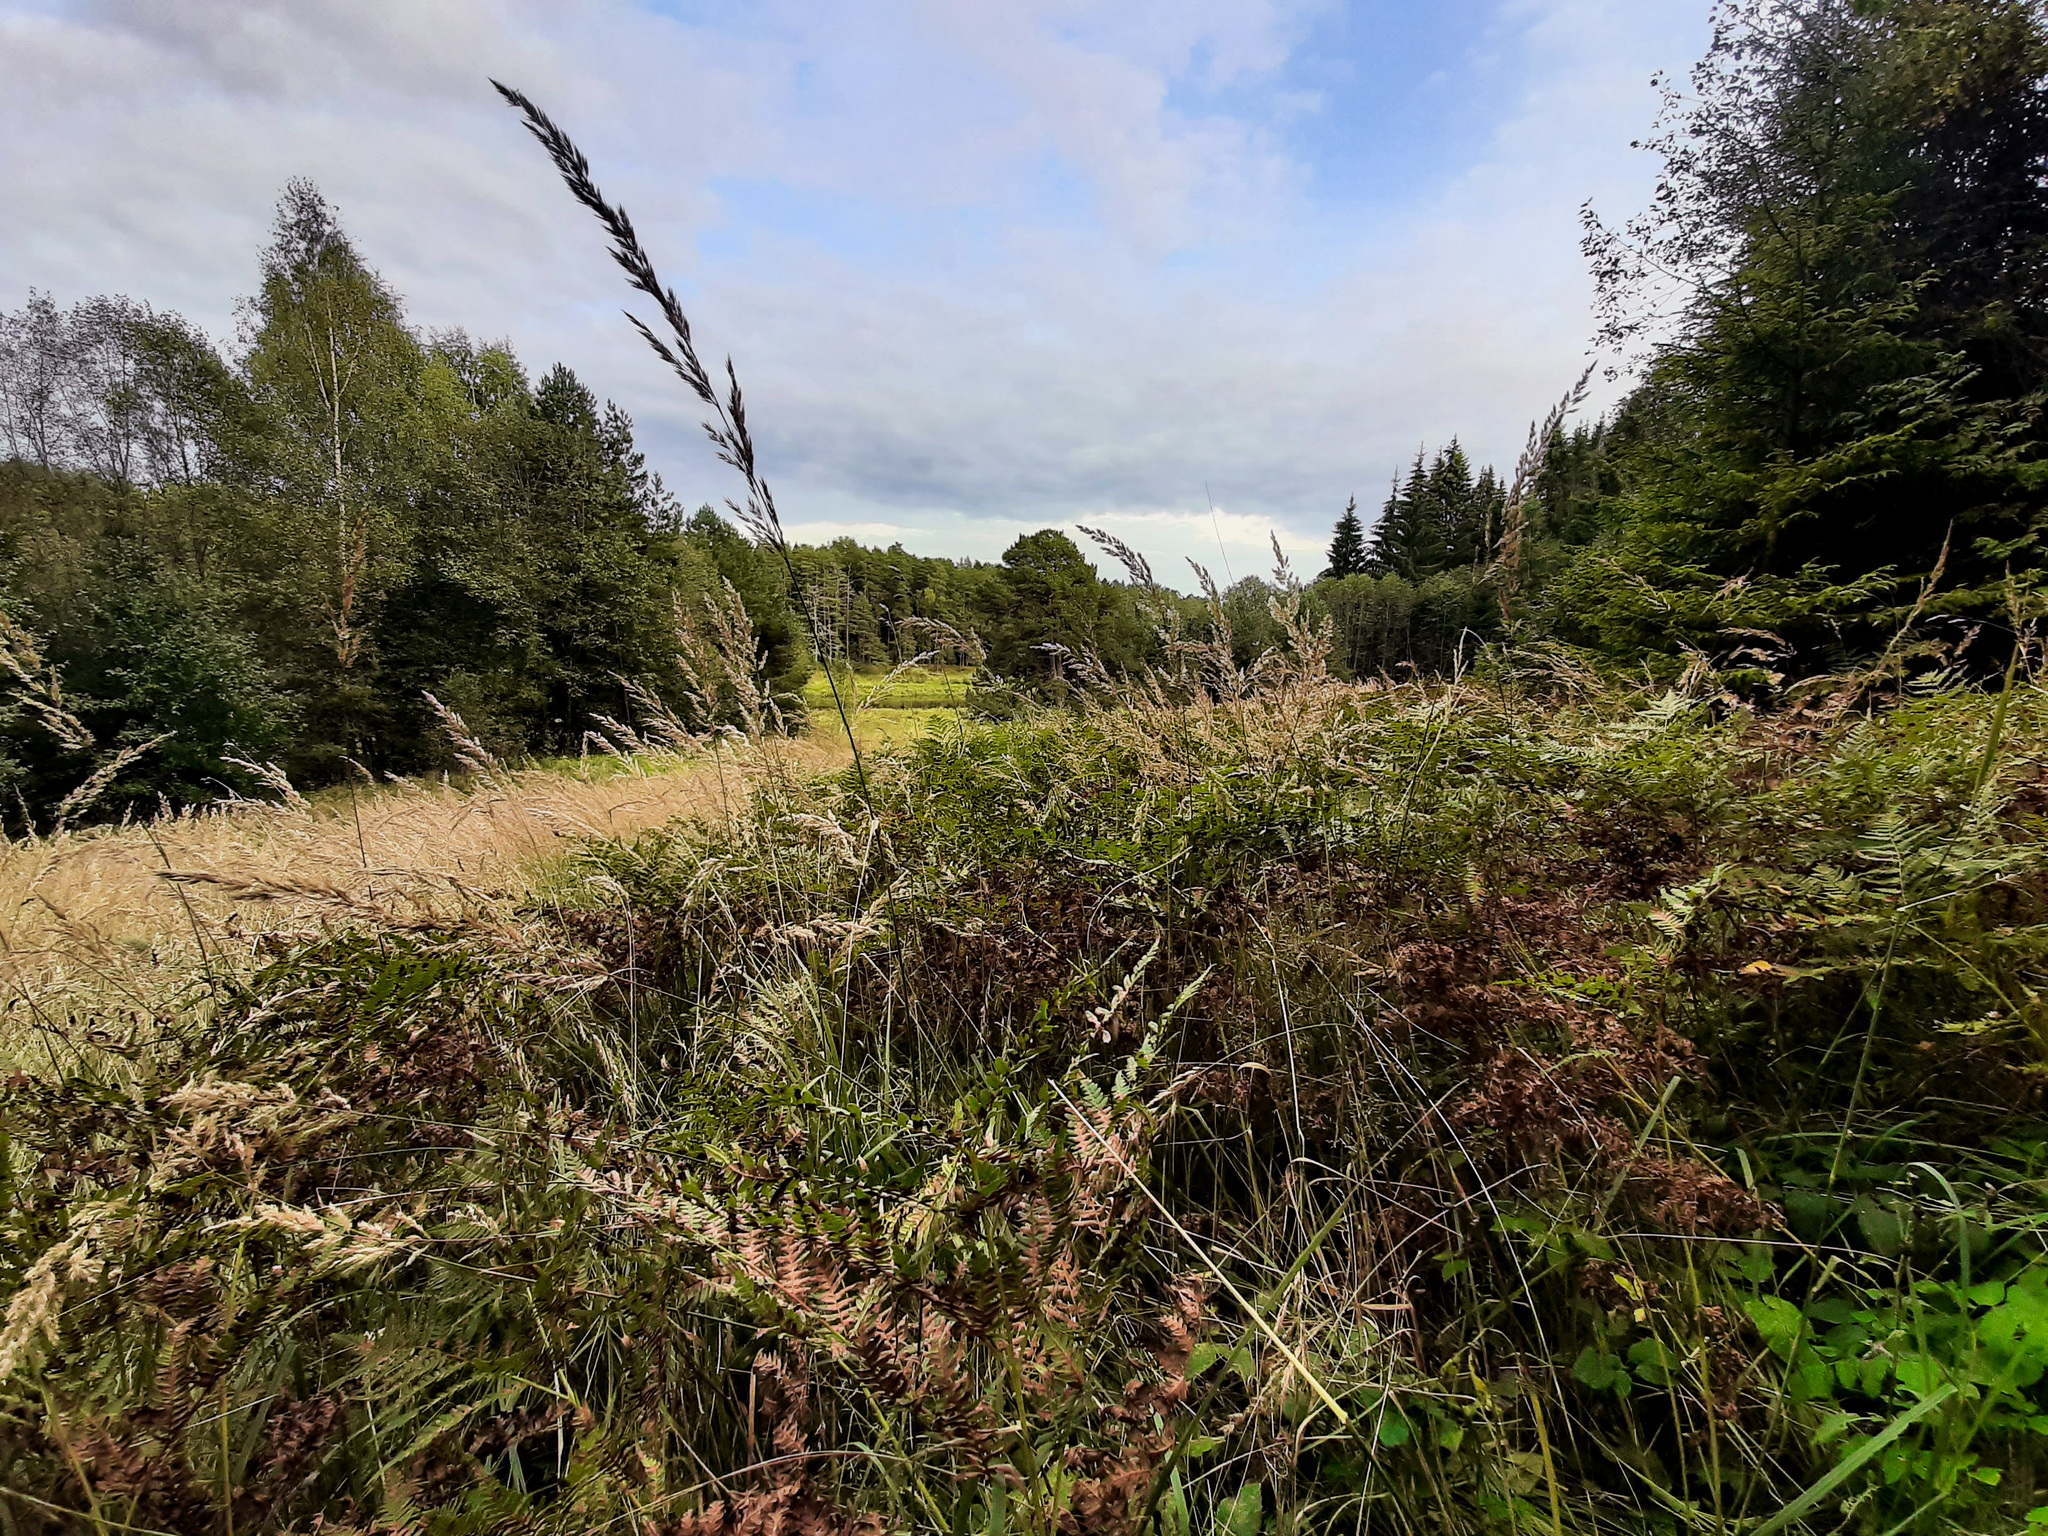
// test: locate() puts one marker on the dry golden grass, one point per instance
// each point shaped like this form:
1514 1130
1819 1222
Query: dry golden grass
121 918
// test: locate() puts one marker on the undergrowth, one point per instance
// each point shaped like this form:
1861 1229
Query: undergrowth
1527 1104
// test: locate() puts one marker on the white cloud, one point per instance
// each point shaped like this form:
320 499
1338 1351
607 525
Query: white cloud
981 264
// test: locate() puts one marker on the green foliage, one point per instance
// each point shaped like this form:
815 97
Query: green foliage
1417 1106
1235 1101
1046 605
877 607
285 558
759 579
1441 519
1387 625
1347 545
1842 406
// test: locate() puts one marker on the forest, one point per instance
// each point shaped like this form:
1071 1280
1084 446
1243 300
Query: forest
1539 1025
299 556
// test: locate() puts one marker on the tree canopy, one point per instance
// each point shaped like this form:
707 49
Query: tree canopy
1839 301
284 552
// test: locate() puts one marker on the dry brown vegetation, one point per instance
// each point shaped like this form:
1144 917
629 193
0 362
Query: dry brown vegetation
1287 1106
125 916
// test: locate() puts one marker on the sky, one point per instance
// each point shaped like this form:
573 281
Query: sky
1195 271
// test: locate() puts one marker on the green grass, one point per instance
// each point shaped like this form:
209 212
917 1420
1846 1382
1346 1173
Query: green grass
1479 1110
889 713
916 688
889 730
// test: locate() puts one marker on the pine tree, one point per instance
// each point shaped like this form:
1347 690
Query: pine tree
1347 544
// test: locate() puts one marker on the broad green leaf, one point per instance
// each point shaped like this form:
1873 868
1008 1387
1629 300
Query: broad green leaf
1601 1372
1205 1357
1778 1321
1755 1263
1851 1464
1918 1374
1809 1378
1884 1230
1651 1361
1243 1512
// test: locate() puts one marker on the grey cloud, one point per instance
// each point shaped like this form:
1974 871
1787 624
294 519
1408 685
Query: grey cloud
270 48
1045 372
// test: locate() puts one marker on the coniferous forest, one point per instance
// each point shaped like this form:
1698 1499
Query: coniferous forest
1537 1025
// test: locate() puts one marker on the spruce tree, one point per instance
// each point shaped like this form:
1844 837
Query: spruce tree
1490 505
1851 198
1453 512
1402 543
1347 544
1439 519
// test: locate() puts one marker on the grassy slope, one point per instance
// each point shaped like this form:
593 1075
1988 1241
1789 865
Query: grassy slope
1467 1110
88 921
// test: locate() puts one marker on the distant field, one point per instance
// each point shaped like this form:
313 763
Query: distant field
920 688
879 728
887 712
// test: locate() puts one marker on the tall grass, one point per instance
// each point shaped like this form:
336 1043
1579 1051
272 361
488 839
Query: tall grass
124 921
725 419
1522 1104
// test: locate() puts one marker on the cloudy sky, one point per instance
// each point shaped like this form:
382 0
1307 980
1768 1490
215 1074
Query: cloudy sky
984 265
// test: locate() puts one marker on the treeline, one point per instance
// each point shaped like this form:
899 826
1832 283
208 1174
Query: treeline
302 554
1415 595
281 556
871 607
1836 308
1838 305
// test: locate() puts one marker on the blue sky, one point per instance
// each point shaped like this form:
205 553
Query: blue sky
985 265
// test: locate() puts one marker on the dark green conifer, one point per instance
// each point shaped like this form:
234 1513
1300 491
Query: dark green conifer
1489 511
1452 511
1400 541
1347 544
